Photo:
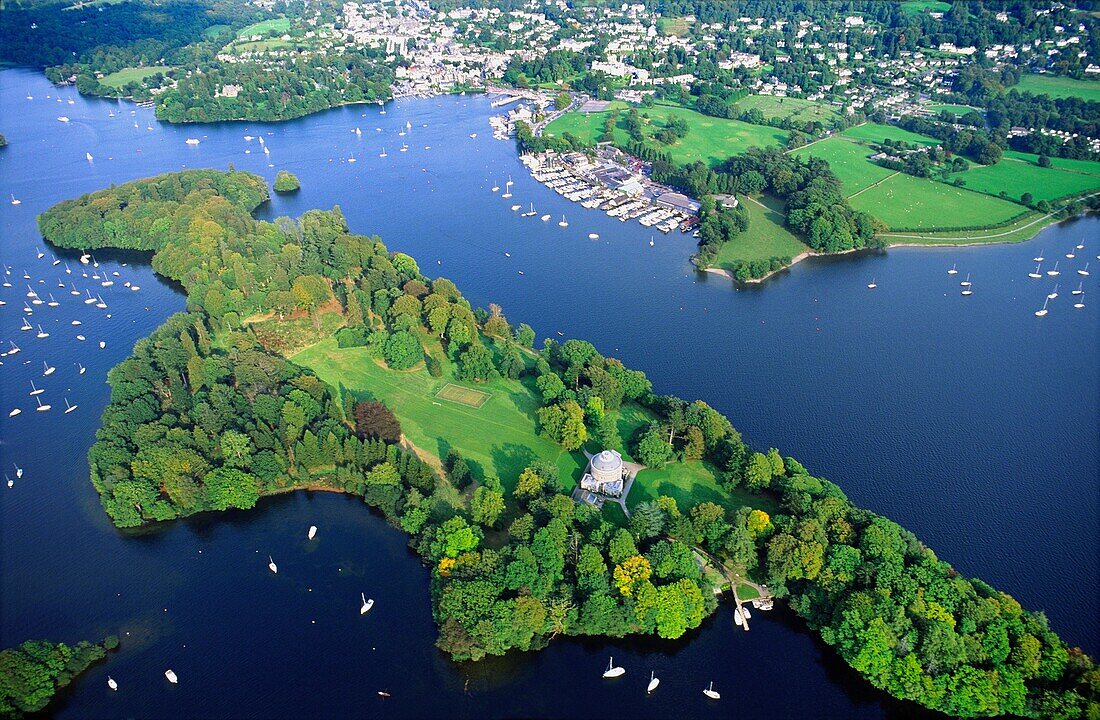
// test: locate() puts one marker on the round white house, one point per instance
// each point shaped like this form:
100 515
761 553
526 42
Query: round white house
606 467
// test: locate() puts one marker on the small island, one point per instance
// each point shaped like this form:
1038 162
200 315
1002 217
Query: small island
32 673
313 358
286 182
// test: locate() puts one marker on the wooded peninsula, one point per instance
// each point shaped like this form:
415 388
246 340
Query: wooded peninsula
310 357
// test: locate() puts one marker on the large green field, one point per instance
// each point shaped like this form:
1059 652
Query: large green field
126 76
874 132
916 7
954 109
908 202
1016 177
709 139
848 160
1088 167
766 237
500 438
278 25
790 108
1059 87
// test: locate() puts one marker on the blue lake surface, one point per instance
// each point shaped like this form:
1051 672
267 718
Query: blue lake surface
966 419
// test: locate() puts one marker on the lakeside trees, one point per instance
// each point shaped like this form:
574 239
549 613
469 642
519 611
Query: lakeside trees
32 673
205 416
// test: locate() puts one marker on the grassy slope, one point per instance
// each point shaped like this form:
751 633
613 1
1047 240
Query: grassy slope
873 132
777 107
849 161
279 25
1016 177
709 139
904 201
766 237
1059 87
500 438
132 74
1087 167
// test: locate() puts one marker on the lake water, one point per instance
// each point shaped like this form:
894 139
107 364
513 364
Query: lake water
968 420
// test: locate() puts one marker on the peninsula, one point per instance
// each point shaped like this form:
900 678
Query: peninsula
311 357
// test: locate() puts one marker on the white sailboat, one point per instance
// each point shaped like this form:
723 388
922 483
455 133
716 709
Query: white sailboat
952 271
14 412
1053 293
495 188
383 153
18 471
81 369
1054 272
613 670
89 300
563 222
88 155
102 344
544 218
74 323
101 305
111 683
36 390
14 201
42 333
272 566
1070 255
968 290
312 532
872 285
69 408
966 283
711 692
52 302
1084 271
40 253
26 326
1039 257
654 681
1080 245
1080 289
41 407
367 604
1080 302
1043 310
171 676
10 481
593 236
1036 275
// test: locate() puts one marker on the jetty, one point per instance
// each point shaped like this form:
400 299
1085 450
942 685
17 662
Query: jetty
755 594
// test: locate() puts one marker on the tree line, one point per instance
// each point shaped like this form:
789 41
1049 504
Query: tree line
33 672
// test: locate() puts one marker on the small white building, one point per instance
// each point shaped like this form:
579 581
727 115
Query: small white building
604 474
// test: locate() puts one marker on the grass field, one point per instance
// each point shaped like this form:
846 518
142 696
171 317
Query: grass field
873 132
463 395
214 30
691 483
1016 177
1023 228
849 161
500 436
904 201
1087 167
264 46
915 7
126 76
791 108
1059 87
709 139
766 237
277 25
673 26
953 109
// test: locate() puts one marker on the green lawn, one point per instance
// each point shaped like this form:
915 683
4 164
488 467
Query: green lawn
709 139
214 30
673 26
265 46
915 7
848 161
792 108
1015 177
278 25
766 237
500 438
904 201
691 483
1059 87
1088 167
132 74
954 109
1023 228
873 132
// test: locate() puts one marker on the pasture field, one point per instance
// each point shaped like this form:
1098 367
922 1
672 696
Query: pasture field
848 161
277 25
709 139
125 76
766 237
674 26
792 108
1016 177
1087 167
915 7
908 202
1058 87
873 132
